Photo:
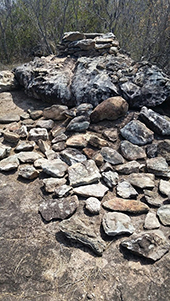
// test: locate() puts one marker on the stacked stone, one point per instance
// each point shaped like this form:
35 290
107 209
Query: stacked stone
88 44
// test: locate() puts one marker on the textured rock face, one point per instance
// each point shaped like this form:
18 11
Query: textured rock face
115 223
102 72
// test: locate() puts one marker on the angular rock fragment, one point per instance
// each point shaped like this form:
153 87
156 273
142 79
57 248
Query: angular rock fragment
152 245
82 230
59 146
164 187
28 157
8 118
151 221
9 163
97 142
93 190
55 112
131 206
58 208
84 109
137 133
153 198
111 178
83 173
59 137
51 184
164 149
110 134
131 151
62 190
28 172
38 163
78 140
155 121
158 166
72 156
142 180
112 156
110 109
93 205
128 168
35 114
11 137
38 133
55 168
125 190
43 146
22 131
164 214
73 36
116 223
151 150
78 124
47 124
4 151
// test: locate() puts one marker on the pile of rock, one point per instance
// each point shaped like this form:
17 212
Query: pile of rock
88 44
115 172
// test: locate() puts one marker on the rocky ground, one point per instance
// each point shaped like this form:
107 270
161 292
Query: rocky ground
77 197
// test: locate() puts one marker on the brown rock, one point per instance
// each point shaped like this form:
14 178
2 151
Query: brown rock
119 204
110 109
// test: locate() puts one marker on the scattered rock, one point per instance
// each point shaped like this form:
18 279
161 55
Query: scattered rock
164 214
9 163
115 223
51 184
111 178
47 124
112 156
158 166
4 151
83 173
72 156
28 172
137 133
110 134
151 221
58 208
11 137
155 121
78 124
131 151
62 190
81 230
78 140
43 146
153 198
36 114
164 187
28 157
55 112
97 142
152 150
93 205
55 168
38 133
94 190
8 118
110 109
132 206
128 168
142 180
125 190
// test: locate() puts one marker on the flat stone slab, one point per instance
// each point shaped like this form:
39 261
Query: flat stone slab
94 190
131 151
155 121
158 166
11 137
164 214
55 168
28 157
9 118
72 156
112 156
83 231
142 180
137 133
55 112
50 184
25 146
116 223
62 190
83 173
78 140
58 208
78 124
131 206
164 187
128 168
152 245
153 198
47 124
28 172
125 190
9 163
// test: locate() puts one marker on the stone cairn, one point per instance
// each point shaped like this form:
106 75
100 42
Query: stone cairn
88 44
110 160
